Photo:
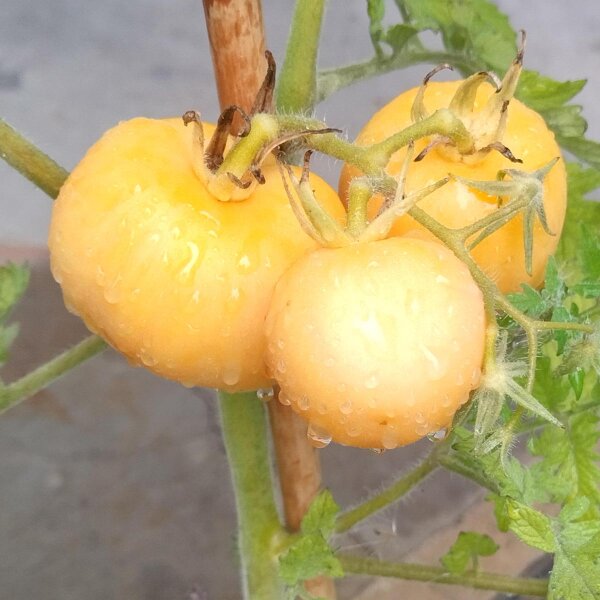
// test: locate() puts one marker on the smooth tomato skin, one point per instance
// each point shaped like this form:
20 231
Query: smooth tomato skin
377 344
501 255
171 277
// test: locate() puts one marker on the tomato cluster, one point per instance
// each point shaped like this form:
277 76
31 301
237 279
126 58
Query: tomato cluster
376 343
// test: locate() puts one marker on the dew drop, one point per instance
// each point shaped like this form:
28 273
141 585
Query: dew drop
475 376
265 394
196 296
422 430
176 232
100 276
437 367
446 401
280 344
441 279
231 375
322 408
346 407
244 262
378 450
371 382
188 384
438 436
147 357
389 438
303 403
281 367
419 418
372 264
284 399
112 294
318 437
137 189
354 431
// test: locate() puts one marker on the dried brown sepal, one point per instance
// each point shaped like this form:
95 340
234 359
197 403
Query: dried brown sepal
264 97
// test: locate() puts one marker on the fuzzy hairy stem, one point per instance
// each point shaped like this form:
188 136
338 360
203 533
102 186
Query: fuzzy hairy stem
39 378
297 88
244 428
399 488
30 161
480 580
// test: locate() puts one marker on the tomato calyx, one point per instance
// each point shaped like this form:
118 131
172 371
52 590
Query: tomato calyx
317 223
486 125
526 196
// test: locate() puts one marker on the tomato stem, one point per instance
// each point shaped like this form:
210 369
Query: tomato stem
399 488
39 378
260 534
480 580
296 90
30 161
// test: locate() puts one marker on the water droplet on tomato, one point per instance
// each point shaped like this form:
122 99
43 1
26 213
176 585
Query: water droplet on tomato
419 418
317 436
265 394
371 382
146 357
354 430
437 366
438 436
346 407
244 262
378 450
422 430
284 398
389 438
231 374
188 384
303 403
100 276
441 279
112 294
281 366
475 376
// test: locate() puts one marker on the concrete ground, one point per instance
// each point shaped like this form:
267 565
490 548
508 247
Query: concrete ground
114 483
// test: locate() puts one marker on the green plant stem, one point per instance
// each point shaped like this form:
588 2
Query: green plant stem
399 488
30 161
480 580
41 377
297 87
260 534
332 80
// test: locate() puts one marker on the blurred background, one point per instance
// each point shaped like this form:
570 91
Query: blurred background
113 482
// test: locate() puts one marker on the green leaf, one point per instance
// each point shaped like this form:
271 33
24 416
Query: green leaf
376 12
474 27
576 572
13 283
308 557
466 549
542 93
570 457
579 241
529 301
398 35
321 515
588 151
566 121
533 527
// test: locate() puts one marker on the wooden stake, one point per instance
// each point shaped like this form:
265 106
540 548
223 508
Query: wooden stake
236 34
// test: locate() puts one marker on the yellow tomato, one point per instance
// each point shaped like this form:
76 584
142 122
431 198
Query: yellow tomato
376 344
501 255
171 277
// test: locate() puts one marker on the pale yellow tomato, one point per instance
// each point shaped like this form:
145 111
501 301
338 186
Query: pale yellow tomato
501 255
376 344
171 277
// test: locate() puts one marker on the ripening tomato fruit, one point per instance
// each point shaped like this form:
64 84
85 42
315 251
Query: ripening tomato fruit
376 344
170 276
501 255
